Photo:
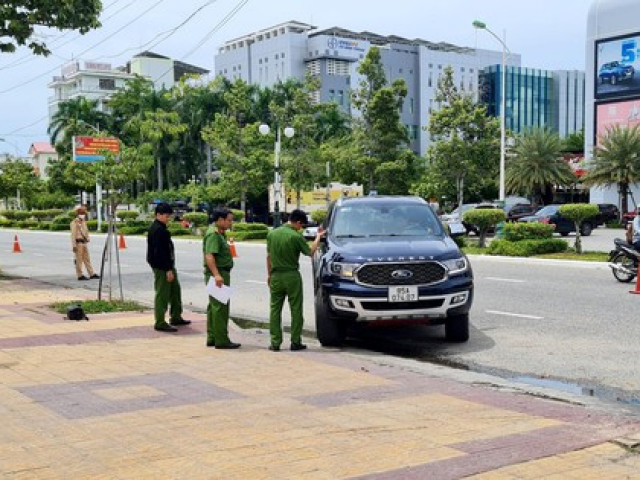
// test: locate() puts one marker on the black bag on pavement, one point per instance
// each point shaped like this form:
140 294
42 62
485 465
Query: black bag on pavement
75 312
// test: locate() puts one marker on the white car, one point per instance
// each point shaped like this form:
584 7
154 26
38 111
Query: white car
310 233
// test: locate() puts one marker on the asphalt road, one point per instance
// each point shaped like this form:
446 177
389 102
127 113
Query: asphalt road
549 320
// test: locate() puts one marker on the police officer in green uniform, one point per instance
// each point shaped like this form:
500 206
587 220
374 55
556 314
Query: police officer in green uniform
218 263
161 258
284 246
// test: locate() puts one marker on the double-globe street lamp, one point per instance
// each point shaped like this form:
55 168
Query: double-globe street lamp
503 98
277 183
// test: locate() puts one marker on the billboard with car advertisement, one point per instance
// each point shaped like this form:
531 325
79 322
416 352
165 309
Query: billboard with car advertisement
617 67
625 114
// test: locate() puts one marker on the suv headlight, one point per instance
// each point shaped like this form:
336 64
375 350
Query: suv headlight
345 270
456 265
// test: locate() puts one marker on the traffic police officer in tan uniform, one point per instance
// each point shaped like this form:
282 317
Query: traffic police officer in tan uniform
218 263
284 246
79 241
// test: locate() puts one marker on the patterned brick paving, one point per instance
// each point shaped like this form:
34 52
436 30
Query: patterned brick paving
112 398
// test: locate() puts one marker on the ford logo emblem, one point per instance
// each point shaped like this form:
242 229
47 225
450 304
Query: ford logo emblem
399 274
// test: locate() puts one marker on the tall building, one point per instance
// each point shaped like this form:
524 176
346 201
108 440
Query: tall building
535 98
612 79
293 49
98 81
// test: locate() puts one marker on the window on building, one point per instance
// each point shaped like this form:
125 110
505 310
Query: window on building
341 97
260 61
276 56
399 70
282 55
411 105
314 97
462 69
430 80
107 84
337 67
313 68
332 95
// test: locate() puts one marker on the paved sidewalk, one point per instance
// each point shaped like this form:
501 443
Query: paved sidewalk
112 398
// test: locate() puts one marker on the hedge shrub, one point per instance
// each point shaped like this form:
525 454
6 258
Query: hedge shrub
133 230
176 229
248 235
527 248
6 223
59 227
16 214
30 224
249 227
515 232
46 214
127 214
197 219
238 215
318 216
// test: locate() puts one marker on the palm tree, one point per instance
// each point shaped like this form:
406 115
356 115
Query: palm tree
71 116
537 165
616 161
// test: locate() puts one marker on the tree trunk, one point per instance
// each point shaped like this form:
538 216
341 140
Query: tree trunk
624 197
159 172
460 188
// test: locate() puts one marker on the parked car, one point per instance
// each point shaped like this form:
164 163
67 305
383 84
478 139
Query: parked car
457 215
310 232
388 261
563 225
516 212
608 213
614 72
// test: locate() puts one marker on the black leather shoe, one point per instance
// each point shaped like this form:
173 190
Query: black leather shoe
274 348
228 346
166 328
298 346
83 278
211 343
179 321
94 276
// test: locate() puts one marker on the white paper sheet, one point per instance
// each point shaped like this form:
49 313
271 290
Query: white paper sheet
222 294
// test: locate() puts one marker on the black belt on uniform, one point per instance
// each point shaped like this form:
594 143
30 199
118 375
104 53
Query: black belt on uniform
224 269
81 241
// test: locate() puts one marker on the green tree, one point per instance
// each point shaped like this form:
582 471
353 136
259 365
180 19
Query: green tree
243 154
379 133
574 143
577 212
484 219
616 160
17 180
78 116
537 165
19 17
465 146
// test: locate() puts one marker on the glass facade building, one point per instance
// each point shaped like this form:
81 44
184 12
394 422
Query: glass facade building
529 96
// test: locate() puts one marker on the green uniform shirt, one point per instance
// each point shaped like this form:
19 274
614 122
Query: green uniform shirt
284 246
217 245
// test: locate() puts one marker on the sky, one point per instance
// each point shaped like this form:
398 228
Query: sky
548 34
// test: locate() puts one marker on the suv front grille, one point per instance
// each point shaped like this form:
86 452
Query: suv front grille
382 274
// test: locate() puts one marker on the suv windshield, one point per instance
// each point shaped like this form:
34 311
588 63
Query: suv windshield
373 219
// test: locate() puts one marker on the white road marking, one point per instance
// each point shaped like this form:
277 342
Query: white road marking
519 315
510 280
256 281
38 254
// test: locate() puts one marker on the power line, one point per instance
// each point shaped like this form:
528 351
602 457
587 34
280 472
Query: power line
167 33
209 34
37 77
30 57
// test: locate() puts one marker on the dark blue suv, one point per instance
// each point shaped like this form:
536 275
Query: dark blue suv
614 72
389 261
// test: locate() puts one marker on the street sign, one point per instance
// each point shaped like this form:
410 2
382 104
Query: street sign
91 149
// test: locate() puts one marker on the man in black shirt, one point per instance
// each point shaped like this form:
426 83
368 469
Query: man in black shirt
161 258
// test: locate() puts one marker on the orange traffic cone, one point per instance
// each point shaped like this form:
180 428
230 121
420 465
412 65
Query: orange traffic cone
232 248
637 290
122 245
16 245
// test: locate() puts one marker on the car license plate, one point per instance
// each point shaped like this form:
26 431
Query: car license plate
403 294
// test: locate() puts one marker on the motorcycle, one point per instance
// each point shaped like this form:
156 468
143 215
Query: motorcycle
624 261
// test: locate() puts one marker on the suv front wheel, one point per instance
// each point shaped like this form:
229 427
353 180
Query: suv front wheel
330 330
456 328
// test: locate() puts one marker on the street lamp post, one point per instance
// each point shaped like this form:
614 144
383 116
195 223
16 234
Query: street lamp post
277 183
503 98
